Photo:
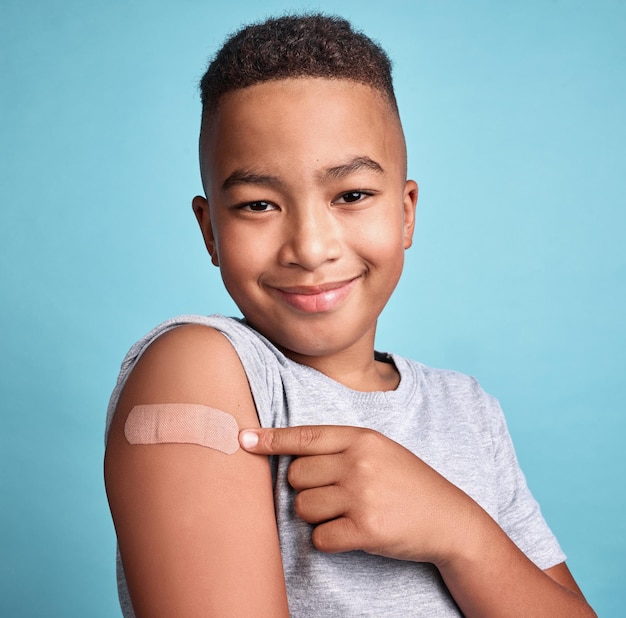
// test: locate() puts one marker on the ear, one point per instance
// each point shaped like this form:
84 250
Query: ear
201 209
410 203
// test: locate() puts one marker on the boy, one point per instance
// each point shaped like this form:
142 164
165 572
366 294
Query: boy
390 489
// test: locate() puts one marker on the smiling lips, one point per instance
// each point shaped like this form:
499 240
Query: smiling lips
316 298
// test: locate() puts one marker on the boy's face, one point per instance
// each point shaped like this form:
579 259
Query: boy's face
308 211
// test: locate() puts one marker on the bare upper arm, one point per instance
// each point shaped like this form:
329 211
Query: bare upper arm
196 527
561 574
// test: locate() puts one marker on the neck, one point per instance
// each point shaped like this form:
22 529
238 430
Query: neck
355 368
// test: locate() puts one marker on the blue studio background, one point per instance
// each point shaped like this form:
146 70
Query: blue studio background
514 115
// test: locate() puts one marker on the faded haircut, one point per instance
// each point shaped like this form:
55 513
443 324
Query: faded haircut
293 46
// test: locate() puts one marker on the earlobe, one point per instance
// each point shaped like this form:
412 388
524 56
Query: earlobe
201 209
410 203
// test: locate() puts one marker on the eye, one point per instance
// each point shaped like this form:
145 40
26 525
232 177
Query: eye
351 197
260 206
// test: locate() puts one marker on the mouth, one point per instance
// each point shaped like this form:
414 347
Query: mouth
316 298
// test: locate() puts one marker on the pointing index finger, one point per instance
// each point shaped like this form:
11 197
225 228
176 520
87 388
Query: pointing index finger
299 440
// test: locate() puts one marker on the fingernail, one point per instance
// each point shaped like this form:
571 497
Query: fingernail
248 439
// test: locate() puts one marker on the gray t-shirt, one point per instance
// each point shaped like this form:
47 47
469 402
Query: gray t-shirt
444 417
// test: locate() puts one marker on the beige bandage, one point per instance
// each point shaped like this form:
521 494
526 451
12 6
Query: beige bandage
186 423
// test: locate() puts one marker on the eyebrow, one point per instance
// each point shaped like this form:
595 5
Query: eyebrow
337 172
248 177
356 164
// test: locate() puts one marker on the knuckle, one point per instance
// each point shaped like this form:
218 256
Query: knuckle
364 468
370 526
272 441
293 473
300 505
322 541
368 439
369 523
337 536
305 508
369 499
307 436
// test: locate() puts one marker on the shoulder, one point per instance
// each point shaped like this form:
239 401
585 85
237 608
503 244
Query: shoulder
199 506
447 384
451 402
183 350
188 363
186 351
185 360
192 330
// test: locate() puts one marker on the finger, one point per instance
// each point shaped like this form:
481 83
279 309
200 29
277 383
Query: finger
315 471
320 504
300 440
336 535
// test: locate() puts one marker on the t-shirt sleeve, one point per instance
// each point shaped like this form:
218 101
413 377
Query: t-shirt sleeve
519 513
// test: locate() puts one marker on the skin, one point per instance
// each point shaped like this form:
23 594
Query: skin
191 522
364 491
308 214
334 211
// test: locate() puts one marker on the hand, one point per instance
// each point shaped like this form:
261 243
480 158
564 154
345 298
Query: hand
365 491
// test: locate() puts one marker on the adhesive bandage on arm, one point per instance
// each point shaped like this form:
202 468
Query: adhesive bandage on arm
182 423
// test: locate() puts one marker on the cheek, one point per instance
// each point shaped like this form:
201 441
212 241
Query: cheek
237 247
244 256
233 257
383 237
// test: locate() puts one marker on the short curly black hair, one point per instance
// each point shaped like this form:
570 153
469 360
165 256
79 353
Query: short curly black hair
292 46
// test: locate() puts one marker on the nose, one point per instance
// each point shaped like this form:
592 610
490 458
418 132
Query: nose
312 237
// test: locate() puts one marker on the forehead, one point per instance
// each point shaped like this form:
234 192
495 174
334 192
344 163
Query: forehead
297 125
